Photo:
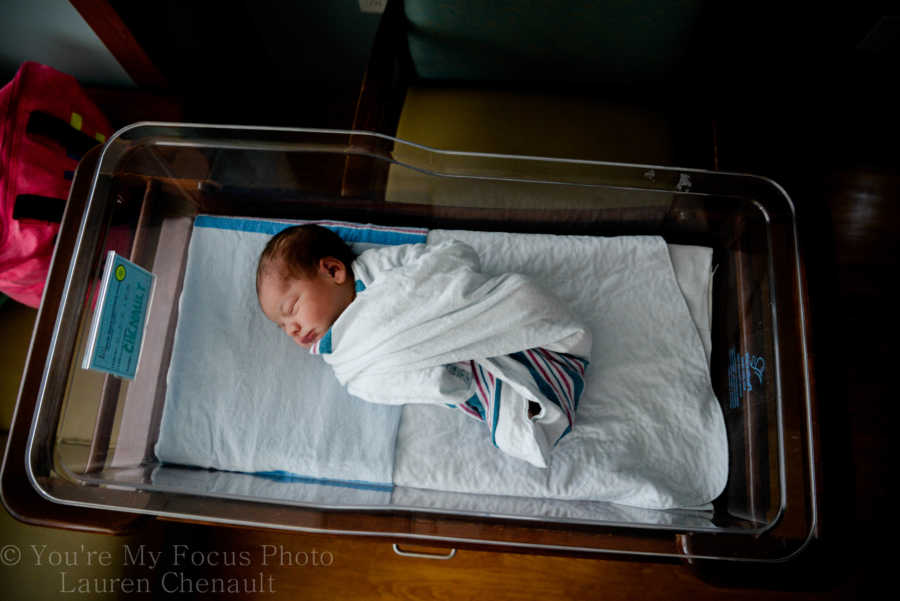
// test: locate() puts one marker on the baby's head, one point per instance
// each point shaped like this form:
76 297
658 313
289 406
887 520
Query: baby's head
304 281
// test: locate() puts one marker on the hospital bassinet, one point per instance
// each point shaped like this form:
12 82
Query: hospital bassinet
70 423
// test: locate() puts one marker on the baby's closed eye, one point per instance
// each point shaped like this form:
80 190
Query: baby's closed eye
289 307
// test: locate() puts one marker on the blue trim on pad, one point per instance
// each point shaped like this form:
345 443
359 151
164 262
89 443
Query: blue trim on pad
349 232
357 484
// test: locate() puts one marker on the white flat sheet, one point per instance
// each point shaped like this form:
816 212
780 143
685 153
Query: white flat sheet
649 431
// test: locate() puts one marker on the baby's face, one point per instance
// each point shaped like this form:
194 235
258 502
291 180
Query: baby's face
305 308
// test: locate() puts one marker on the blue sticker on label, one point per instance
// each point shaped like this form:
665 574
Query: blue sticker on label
117 329
741 369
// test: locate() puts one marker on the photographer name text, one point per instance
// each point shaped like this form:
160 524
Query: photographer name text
173 569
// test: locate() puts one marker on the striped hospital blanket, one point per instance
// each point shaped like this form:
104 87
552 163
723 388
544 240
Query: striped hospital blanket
559 376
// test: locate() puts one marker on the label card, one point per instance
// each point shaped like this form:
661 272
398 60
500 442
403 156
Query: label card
120 316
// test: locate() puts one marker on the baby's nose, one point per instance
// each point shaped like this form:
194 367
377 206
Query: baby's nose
292 328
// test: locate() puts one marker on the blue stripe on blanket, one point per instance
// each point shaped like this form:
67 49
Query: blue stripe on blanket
283 476
561 436
542 383
496 399
577 378
476 406
550 367
559 377
349 232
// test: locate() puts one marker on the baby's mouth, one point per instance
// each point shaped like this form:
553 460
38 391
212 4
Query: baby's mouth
308 339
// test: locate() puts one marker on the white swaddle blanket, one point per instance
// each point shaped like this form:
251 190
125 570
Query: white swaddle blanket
420 308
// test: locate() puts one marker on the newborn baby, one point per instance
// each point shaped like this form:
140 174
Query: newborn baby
419 323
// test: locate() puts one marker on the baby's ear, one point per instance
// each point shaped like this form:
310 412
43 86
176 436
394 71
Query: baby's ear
335 269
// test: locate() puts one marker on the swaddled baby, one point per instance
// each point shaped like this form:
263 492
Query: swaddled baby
420 323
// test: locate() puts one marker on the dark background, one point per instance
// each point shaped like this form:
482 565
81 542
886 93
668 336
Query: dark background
805 94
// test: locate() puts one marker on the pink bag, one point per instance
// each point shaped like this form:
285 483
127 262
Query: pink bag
47 123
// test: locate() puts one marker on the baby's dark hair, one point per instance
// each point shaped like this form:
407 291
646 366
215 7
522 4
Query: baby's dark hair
300 248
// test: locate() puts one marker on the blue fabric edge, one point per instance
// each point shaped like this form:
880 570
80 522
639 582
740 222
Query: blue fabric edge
349 232
283 476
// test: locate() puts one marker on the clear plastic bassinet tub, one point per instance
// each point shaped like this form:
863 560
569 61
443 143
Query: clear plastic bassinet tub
79 456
